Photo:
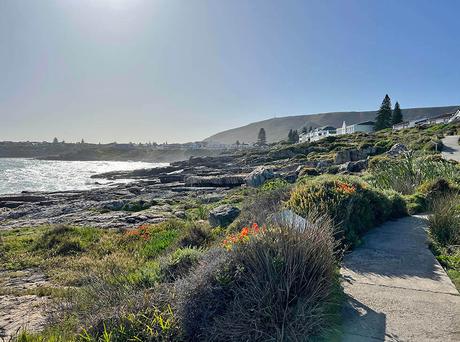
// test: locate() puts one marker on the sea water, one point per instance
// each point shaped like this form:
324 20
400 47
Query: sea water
23 174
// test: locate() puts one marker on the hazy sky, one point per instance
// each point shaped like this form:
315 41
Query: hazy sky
157 70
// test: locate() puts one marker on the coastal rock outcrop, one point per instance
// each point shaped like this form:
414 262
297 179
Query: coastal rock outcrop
354 154
259 176
223 215
216 181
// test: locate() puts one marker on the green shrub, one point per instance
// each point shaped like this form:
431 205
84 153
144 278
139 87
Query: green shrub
274 184
351 203
278 286
408 172
153 324
260 206
444 222
159 240
444 229
415 203
66 240
398 204
179 263
438 187
199 213
196 234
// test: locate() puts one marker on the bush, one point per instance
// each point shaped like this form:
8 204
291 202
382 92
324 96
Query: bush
398 204
280 285
153 324
436 188
196 234
415 203
444 222
406 173
260 206
66 240
149 241
444 228
351 203
179 263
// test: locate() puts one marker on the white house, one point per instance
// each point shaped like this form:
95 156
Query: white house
410 124
440 119
366 127
455 117
317 134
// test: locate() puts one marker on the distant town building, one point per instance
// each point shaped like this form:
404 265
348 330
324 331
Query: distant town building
440 119
455 117
317 134
366 127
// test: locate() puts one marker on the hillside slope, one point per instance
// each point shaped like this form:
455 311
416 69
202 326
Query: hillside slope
278 128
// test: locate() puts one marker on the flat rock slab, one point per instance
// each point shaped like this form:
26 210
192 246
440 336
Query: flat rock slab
396 289
21 312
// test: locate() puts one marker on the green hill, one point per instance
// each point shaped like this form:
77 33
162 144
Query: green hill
278 128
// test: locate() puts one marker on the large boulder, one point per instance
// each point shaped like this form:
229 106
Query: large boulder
354 166
354 154
259 176
397 149
223 215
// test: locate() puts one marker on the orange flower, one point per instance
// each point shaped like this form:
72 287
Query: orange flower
139 232
243 236
244 231
343 187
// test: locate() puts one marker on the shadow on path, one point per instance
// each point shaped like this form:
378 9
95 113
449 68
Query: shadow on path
396 290
397 250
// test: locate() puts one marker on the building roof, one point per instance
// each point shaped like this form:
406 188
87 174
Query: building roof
366 123
442 116
326 128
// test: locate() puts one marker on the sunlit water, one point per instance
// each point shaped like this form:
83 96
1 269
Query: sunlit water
21 174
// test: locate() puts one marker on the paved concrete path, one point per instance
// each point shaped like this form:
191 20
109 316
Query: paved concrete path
396 289
451 148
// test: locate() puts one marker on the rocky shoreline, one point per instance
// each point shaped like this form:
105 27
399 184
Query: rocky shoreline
162 193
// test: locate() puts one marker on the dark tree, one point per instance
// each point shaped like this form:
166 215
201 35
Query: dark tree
55 141
262 137
397 115
383 118
295 137
237 143
304 130
310 129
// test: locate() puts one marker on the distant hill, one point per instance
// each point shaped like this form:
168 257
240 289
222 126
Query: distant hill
278 128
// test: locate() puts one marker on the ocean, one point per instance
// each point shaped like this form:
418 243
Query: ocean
23 174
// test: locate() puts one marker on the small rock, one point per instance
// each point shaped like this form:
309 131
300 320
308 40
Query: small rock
180 214
112 205
356 166
397 149
223 215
